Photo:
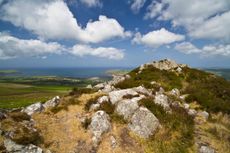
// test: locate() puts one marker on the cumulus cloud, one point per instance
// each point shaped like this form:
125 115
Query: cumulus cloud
52 19
187 48
136 5
103 29
207 50
157 38
92 3
195 16
154 9
216 27
103 52
12 47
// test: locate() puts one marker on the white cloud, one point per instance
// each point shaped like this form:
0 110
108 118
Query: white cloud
136 5
154 9
217 50
103 29
92 3
157 38
187 48
103 52
207 50
217 27
202 18
12 47
52 19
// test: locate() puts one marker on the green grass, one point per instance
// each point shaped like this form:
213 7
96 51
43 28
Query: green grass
177 132
210 91
19 95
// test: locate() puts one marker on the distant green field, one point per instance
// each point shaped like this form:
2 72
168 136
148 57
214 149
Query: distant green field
18 95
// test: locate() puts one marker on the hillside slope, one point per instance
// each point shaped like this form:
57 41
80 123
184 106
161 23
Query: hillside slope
159 107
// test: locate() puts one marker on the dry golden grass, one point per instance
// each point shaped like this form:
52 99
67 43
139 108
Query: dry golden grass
62 131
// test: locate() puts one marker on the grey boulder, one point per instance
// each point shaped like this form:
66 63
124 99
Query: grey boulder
144 123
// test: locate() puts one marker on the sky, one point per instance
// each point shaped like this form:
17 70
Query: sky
113 33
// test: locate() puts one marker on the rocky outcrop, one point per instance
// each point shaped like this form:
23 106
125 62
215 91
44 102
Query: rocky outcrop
144 123
116 96
127 107
34 108
165 64
99 124
12 147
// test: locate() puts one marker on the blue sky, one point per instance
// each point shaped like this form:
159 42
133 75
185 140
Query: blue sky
112 33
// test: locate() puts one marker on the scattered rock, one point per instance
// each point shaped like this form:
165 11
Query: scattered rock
12 147
103 99
127 107
34 108
99 124
52 103
186 106
142 90
203 114
206 149
144 123
108 88
89 86
192 112
162 100
100 86
94 107
175 92
116 96
113 142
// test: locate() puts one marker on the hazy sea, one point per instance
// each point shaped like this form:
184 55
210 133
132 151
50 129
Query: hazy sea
65 72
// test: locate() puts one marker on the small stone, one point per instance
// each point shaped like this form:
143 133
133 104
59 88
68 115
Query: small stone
186 106
113 142
192 112
206 149
203 114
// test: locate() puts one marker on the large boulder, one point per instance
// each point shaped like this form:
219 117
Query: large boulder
116 96
162 100
144 123
127 107
34 108
99 124
12 147
53 102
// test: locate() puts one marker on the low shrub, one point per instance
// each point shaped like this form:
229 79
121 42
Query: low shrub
19 116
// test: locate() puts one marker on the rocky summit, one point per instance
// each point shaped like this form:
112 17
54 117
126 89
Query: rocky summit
159 107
